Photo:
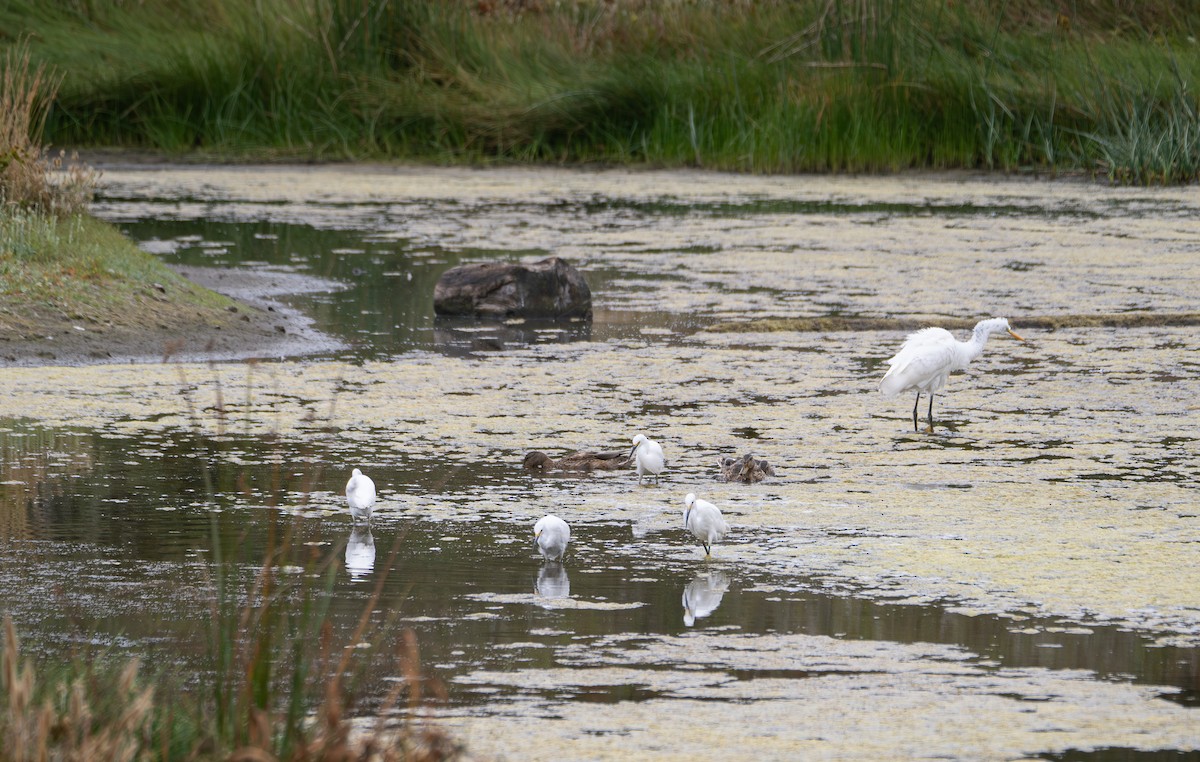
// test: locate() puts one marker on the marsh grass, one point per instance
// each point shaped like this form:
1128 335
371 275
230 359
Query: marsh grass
57 272
276 684
60 267
30 176
757 85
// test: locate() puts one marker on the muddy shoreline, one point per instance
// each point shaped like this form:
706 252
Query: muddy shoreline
265 326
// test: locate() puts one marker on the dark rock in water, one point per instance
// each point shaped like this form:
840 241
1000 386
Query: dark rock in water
551 288
583 460
745 469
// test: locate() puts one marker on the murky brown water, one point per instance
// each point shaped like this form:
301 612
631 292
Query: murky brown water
1022 583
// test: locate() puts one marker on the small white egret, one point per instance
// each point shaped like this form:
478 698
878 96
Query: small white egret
360 494
703 595
551 535
648 456
929 356
703 519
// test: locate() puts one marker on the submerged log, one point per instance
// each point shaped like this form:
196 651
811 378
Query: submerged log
551 288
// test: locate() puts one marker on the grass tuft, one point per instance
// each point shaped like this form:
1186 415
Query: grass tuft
30 177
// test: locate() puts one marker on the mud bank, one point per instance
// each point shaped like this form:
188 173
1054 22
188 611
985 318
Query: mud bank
152 329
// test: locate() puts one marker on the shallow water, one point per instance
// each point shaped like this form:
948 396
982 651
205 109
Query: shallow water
1022 583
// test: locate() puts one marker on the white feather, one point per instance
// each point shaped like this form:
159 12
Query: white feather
704 520
551 535
360 495
648 457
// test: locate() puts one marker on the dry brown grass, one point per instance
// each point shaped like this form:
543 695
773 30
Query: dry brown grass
30 176
85 719
70 728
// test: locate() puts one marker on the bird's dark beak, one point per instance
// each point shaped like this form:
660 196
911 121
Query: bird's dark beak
632 450
1013 333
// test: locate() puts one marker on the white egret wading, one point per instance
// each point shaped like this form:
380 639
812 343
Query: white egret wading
648 457
929 356
360 494
703 519
551 535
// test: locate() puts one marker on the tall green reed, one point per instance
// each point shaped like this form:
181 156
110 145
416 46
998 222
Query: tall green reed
760 85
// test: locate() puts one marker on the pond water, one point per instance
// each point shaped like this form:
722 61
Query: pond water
1022 583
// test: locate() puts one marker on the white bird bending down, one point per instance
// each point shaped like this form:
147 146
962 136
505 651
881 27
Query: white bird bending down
551 535
703 519
930 355
648 457
360 494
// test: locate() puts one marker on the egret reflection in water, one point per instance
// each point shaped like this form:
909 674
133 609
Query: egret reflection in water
703 595
552 581
360 553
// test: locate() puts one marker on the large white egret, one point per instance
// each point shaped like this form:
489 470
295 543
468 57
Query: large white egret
930 355
360 494
703 519
551 535
648 456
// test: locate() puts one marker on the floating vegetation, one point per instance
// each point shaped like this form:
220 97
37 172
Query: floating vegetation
1042 322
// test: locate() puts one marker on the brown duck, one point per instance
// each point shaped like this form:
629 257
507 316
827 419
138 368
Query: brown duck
745 469
582 460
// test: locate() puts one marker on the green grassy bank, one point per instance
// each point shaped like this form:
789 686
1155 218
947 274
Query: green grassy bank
62 270
1101 86
78 270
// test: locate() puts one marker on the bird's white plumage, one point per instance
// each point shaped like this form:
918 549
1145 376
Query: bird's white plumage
360 495
923 363
704 521
648 457
551 535
930 355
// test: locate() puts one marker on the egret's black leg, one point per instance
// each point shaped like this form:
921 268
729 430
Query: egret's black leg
931 412
915 405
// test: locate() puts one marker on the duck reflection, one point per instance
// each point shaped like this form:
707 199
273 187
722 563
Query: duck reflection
703 594
360 553
552 581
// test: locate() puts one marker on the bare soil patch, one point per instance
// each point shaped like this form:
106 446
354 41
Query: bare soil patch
159 324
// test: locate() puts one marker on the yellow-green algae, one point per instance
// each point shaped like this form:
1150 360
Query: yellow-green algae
727 248
813 698
1061 480
1060 483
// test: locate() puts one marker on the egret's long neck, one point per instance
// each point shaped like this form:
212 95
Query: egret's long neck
975 346
979 337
